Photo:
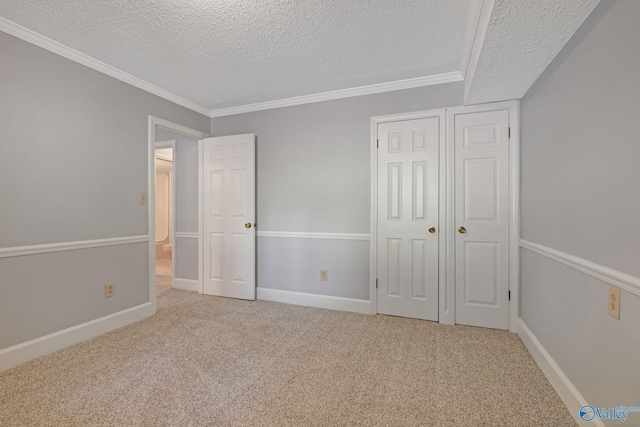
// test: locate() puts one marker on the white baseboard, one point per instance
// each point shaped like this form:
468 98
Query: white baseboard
24 352
560 382
186 285
315 300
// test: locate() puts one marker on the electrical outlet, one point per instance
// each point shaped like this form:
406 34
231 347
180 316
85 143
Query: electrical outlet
323 275
143 198
614 302
109 290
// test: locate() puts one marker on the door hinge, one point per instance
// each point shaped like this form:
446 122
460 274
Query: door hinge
509 132
377 143
509 295
376 283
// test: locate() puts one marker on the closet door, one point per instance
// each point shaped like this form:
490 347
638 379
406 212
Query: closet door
408 218
481 188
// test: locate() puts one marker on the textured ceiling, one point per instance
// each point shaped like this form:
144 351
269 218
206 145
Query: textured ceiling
223 53
520 40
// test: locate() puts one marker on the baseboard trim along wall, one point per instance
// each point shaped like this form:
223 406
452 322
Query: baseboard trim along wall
315 300
186 284
27 351
614 277
69 246
560 382
303 235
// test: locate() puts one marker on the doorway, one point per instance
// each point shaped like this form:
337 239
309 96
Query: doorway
164 211
175 260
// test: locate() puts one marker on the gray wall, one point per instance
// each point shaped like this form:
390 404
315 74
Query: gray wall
580 176
313 175
186 250
73 158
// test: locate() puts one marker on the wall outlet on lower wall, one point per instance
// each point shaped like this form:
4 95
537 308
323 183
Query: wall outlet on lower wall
109 290
323 275
614 302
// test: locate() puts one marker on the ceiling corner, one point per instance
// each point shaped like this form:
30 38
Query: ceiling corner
515 41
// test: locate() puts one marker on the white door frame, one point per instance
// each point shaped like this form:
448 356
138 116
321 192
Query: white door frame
373 228
446 235
151 197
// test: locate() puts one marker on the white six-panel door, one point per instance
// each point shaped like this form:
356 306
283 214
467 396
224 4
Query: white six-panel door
408 192
482 219
229 252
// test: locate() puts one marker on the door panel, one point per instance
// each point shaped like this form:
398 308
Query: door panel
482 208
229 204
407 206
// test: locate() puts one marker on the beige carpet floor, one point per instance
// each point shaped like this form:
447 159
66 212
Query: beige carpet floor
221 362
163 275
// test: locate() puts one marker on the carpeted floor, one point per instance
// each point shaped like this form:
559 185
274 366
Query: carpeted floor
163 275
222 362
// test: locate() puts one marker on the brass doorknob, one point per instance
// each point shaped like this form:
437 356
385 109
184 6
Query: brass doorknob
462 230
247 225
432 230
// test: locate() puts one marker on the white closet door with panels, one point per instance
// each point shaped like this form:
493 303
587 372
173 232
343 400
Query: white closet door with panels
445 221
408 192
228 173
482 218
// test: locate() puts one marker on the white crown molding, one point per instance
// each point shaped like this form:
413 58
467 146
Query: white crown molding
37 39
69 246
471 30
44 42
476 32
303 235
342 93
614 277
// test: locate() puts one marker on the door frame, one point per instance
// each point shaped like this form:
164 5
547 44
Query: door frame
373 228
446 233
151 197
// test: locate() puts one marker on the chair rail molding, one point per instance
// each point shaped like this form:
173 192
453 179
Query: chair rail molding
614 277
70 246
187 234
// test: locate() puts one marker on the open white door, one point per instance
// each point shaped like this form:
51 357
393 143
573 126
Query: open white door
482 218
228 172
